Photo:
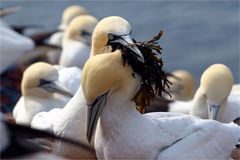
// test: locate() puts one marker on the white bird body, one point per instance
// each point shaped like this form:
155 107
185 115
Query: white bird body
231 111
70 122
74 54
30 106
205 139
124 133
180 106
13 46
70 77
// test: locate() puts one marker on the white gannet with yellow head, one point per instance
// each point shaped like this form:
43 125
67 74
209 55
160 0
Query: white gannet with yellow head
182 91
77 41
57 38
183 85
214 99
73 117
122 132
68 14
41 91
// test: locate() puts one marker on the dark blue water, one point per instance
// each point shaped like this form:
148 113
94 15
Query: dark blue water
196 34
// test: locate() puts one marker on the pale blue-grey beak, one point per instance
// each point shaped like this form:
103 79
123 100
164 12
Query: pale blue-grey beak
55 87
212 111
126 40
93 113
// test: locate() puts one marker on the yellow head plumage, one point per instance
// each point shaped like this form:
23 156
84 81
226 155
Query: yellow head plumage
114 25
81 28
34 73
105 72
182 88
216 83
71 12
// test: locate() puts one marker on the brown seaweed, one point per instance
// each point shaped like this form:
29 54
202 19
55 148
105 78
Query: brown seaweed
154 78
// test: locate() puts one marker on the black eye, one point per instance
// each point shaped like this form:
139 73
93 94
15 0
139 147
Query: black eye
85 33
44 82
205 96
110 36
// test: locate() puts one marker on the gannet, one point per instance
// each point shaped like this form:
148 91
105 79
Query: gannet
77 41
41 91
13 46
216 98
183 85
56 39
182 89
72 118
122 132
68 14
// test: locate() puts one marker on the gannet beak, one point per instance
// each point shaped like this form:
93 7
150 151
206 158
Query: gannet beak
56 87
127 41
93 113
212 111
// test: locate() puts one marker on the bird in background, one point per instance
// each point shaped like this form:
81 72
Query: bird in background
41 91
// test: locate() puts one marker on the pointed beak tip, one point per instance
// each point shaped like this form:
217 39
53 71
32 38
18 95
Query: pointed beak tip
89 138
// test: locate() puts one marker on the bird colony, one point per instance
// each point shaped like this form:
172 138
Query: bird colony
89 90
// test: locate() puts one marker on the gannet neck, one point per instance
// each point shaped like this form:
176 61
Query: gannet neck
102 76
75 53
75 104
106 72
116 113
199 105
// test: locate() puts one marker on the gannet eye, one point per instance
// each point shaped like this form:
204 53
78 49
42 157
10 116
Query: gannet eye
205 96
85 33
110 36
44 82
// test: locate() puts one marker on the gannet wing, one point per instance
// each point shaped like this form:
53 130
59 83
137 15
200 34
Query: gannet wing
71 78
45 120
180 106
204 139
